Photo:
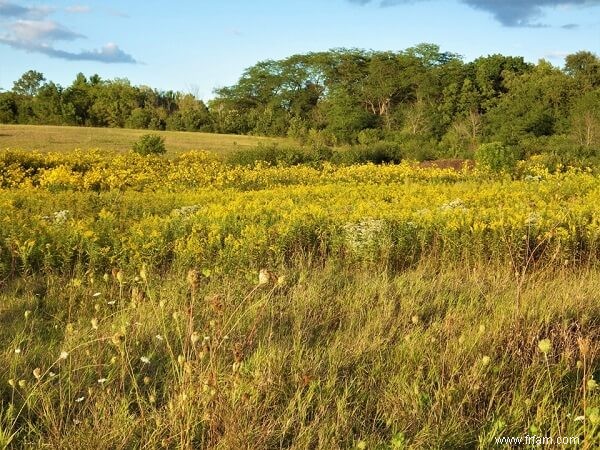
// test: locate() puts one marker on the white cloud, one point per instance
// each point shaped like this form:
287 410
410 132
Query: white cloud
110 53
41 30
32 32
78 9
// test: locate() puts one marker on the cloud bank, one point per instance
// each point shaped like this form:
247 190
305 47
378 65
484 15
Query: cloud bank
29 29
12 10
510 13
110 53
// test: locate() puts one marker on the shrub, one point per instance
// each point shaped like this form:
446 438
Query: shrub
150 144
276 155
419 148
369 136
379 153
497 157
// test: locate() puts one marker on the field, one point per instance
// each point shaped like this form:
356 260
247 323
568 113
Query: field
61 138
150 302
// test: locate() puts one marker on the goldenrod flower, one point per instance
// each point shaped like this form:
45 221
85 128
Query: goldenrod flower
118 338
545 345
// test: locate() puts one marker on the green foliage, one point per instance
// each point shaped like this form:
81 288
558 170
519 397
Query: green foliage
497 157
275 154
8 108
559 152
441 106
370 136
29 83
150 144
378 153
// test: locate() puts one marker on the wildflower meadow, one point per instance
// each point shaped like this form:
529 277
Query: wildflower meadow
185 302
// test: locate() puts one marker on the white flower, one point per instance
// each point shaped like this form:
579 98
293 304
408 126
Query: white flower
102 380
145 360
80 399
63 355
159 337
17 350
263 277
112 302
97 294
579 419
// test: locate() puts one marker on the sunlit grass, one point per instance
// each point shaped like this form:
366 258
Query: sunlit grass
185 303
60 138
327 358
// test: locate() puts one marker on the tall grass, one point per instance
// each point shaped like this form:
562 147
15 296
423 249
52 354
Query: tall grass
317 357
188 303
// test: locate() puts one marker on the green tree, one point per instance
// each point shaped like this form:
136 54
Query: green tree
29 83
535 104
8 108
585 119
585 68
48 105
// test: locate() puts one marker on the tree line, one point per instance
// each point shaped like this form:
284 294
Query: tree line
421 98
101 103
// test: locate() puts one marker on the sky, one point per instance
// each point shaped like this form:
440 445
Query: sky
197 46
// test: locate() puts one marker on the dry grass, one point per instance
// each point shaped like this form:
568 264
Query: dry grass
331 357
57 138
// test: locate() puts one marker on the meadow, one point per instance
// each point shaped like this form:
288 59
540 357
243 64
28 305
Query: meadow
46 138
183 302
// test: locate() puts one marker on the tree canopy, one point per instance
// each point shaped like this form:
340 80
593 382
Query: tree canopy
418 96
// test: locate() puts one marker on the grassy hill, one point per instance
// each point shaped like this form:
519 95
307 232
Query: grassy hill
58 138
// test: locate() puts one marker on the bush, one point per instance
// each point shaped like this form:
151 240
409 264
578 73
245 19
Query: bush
276 155
369 136
497 157
150 144
419 148
380 153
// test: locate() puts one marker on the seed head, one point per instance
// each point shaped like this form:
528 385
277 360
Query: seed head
584 346
591 384
545 345
193 280
264 277
37 373
117 339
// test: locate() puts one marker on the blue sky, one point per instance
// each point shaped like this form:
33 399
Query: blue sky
196 46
